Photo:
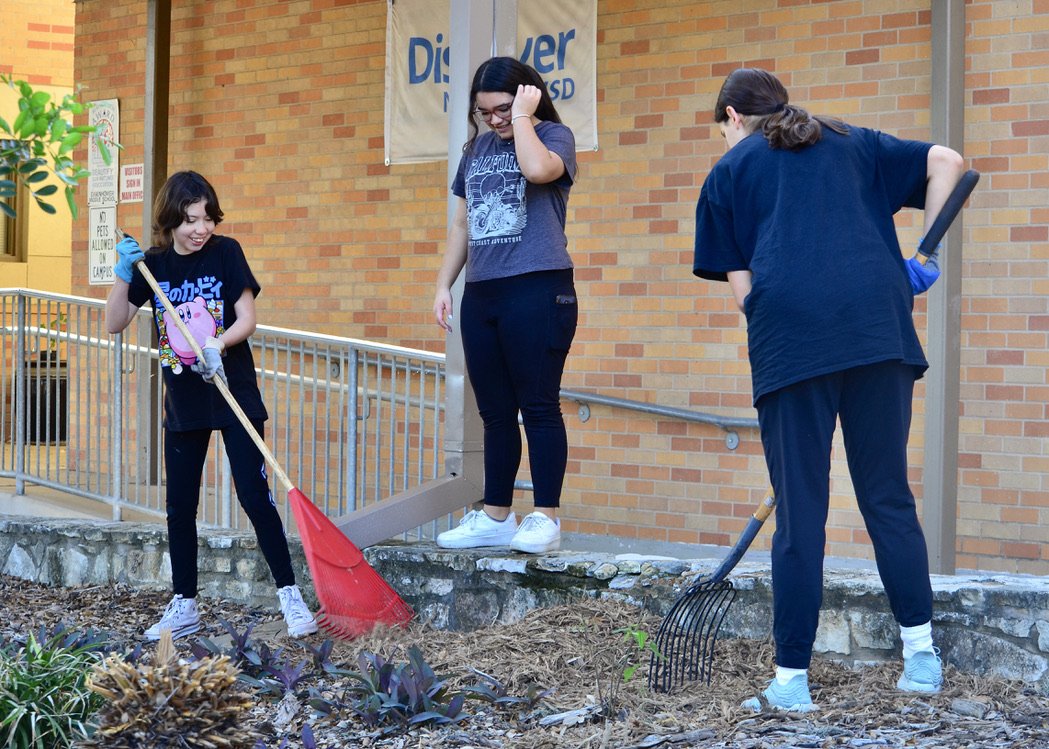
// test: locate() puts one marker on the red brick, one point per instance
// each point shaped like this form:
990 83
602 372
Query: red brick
1030 128
1008 358
862 57
1029 233
991 96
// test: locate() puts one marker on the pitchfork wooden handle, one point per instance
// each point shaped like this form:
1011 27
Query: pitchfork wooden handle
766 507
216 381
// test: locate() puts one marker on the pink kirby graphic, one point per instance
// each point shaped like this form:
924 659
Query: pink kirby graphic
201 324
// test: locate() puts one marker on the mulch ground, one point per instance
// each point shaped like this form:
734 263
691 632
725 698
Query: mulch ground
580 652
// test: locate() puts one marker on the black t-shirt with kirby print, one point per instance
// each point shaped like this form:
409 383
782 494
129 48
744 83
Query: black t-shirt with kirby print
203 288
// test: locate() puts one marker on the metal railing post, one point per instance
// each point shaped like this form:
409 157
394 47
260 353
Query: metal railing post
942 411
352 429
116 444
20 395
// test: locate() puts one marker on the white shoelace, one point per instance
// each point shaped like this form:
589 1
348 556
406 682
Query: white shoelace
535 522
295 610
175 610
470 519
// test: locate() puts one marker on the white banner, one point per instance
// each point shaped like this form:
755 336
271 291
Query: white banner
556 37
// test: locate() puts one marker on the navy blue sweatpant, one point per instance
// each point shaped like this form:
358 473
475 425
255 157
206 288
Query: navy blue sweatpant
184 456
516 335
797 427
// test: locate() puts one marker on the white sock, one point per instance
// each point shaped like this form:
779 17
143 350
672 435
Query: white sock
916 639
784 675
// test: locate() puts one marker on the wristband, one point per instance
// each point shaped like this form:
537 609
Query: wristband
518 116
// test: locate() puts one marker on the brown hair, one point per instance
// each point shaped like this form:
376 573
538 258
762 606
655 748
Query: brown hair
758 95
180 191
504 75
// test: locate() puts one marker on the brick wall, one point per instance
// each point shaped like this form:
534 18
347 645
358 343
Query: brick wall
281 105
1004 479
36 46
36 37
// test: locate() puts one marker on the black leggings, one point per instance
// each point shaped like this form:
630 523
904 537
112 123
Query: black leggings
873 404
184 456
516 336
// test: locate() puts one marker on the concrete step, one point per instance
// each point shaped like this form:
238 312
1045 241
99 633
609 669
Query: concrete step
984 624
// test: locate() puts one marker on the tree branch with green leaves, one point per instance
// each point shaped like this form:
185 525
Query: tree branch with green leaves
40 142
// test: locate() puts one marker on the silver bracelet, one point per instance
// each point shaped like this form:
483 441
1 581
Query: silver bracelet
518 116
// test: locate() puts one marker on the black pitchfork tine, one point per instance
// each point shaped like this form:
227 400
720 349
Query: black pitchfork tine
685 640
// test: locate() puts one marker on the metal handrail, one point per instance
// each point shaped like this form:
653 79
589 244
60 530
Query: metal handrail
728 423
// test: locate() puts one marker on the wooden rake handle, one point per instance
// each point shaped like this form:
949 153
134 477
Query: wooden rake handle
216 381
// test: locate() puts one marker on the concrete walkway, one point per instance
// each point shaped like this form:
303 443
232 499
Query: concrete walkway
45 502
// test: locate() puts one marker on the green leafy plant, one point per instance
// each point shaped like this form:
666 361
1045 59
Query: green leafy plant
44 699
642 646
395 697
638 645
41 140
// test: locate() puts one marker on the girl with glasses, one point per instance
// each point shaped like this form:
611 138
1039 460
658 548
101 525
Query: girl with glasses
518 312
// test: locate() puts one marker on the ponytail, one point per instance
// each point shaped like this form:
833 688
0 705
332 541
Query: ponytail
794 128
761 98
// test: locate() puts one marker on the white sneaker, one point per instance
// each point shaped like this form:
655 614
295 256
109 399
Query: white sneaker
296 614
537 534
181 617
476 529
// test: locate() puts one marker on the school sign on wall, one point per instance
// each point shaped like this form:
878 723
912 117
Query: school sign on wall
556 37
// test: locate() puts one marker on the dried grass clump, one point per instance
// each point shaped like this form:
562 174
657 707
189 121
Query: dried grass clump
172 703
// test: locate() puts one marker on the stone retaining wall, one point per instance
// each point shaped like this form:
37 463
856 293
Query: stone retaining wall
984 624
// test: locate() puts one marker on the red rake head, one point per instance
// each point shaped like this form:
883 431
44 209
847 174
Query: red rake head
352 605
353 597
350 626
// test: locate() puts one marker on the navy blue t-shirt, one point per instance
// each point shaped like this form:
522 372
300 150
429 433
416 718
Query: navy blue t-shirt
203 288
814 226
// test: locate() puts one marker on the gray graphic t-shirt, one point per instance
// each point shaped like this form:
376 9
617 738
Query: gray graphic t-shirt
514 226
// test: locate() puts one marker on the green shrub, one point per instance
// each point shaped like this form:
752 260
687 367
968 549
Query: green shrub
44 700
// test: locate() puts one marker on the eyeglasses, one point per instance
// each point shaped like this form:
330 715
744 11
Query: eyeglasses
503 111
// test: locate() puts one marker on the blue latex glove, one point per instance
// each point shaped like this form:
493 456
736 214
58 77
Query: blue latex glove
128 253
923 276
212 362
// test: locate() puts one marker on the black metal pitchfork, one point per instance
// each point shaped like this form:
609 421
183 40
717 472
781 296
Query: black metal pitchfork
684 647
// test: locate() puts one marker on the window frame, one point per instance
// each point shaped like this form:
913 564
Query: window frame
13 230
